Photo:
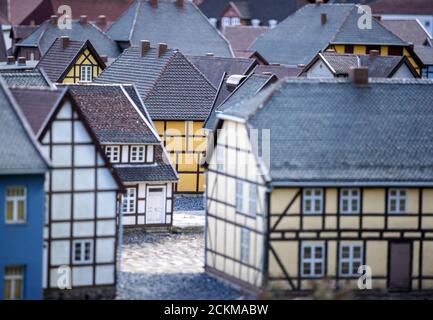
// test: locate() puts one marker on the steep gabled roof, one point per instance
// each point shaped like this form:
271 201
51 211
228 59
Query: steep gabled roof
425 54
325 132
44 36
411 31
57 60
20 152
170 86
241 37
214 67
184 28
297 39
26 78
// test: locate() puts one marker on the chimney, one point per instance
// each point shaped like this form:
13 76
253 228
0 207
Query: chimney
154 3
144 47
162 48
180 3
11 60
323 18
359 75
301 66
54 19
64 40
83 20
209 54
374 53
22 61
102 20
32 23
104 58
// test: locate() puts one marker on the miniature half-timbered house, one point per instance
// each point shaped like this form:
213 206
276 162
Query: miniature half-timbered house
303 185
71 61
22 176
178 97
123 127
81 229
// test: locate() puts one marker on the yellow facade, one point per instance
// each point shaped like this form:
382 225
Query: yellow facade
384 51
281 228
186 143
86 59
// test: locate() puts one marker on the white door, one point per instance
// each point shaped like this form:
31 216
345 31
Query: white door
155 205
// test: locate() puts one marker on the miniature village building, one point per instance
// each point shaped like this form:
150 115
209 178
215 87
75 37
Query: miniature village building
125 131
330 26
178 98
71 61
22 177
81 225
338 181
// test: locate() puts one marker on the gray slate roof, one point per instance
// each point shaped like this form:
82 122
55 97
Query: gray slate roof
331 131
18 78
170 86
44 36
297 39
20 153
186 29
425 54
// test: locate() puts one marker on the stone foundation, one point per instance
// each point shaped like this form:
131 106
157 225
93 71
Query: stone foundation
88 293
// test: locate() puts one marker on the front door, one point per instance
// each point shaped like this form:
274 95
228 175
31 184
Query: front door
155 205
399 266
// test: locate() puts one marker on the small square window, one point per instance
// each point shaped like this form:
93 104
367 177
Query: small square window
313 201
137 154
397 201
350 201
312 260
113 153
83 251
16 203
350 259
13 283
86 74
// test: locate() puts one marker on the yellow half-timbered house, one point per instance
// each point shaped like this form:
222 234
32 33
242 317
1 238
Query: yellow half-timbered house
72 61
178 97
303 186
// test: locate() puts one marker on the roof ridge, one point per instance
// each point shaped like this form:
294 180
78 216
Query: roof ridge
341 25
192 65
134 22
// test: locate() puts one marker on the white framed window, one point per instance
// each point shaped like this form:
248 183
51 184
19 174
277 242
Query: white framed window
245 245
13 283
225 21
235 21
113 153
239 196
397 200
252 201
350 201
312 201
220 158
313 259
16 203
351 258
129 200
82 251
86 73
137 154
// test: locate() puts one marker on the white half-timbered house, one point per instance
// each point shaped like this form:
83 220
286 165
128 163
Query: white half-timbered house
123 126
81 229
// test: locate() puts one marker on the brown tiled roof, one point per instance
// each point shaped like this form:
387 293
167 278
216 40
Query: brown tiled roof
242 37
20 32
170 85
409 30
37 104
419 7
278 70
20 9
57 59
214 67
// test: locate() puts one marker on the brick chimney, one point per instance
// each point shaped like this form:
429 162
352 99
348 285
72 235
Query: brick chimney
374 53
153 3
22 61
102 20
83 20
104 58
180 3
64 40
144 47
162 48
11 60
54 19
323 18
359 75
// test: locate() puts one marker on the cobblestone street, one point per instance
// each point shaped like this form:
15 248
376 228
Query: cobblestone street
167 266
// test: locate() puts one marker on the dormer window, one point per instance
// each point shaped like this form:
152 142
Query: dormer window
137 153
113 153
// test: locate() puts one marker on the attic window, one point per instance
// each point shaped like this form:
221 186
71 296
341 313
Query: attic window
86 73
348 49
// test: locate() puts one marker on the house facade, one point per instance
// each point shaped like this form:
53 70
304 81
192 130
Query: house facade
22 177
81 226
123 127
288 221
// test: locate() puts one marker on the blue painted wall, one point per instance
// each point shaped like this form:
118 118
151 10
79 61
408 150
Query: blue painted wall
23 244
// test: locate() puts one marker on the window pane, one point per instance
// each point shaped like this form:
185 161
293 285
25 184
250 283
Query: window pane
345 252
307 252
318 268
357 252
18 289
21 210
9 211
319 252
7 287
345 268
307 268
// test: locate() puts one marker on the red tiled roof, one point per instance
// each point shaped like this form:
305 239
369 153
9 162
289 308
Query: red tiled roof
241 37
421 7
